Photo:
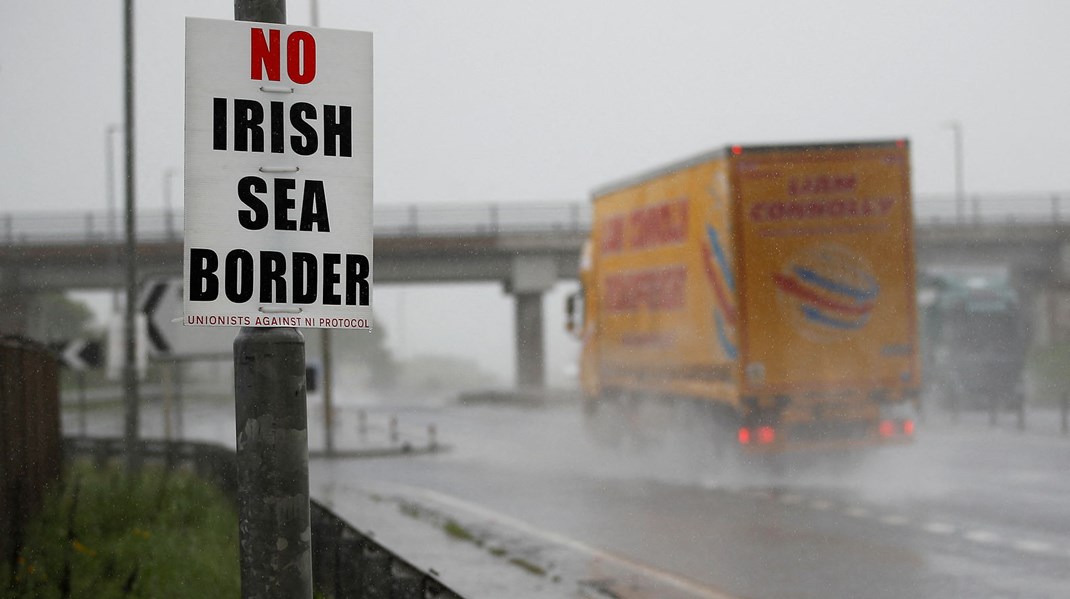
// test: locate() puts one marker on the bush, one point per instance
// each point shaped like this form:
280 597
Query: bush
102 534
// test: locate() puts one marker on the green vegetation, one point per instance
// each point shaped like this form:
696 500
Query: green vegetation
456 531
102 534
531 568
58 317
459 532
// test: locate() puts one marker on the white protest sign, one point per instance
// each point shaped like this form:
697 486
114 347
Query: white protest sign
278 175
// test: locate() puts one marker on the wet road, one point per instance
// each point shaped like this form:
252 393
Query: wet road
966 511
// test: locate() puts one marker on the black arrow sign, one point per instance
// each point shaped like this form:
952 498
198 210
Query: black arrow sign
80 354
148 307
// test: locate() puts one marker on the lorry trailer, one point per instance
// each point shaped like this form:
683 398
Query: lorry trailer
770 289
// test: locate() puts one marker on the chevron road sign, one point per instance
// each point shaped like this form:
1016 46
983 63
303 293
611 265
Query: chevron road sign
161 305
80 354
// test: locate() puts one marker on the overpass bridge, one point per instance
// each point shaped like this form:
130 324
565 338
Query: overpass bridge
527 247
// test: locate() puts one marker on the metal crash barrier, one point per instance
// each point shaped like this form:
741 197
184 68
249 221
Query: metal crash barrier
345 562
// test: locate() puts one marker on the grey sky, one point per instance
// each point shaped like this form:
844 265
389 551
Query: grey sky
480 101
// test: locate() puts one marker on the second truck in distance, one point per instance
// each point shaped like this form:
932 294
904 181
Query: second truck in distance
769 289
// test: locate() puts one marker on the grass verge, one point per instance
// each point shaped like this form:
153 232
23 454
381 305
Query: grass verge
102 534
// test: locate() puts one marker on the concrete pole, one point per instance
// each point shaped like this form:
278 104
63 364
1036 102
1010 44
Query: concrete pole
262 11
328 393
272 446
275 534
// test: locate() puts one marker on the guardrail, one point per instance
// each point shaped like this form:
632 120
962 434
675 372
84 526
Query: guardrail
345 562
81 227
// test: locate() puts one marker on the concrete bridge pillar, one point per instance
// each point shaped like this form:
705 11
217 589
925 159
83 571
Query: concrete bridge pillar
530 358
530 278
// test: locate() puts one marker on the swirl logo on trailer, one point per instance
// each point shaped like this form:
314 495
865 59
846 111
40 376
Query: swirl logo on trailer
827 292
719 275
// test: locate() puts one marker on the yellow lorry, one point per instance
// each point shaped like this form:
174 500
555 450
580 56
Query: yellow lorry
768 288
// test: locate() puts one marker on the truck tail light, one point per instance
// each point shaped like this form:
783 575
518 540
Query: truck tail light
766 435
908 428
744 436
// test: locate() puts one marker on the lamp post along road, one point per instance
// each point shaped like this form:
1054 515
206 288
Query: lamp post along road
168 205
130 374
960 176
109 180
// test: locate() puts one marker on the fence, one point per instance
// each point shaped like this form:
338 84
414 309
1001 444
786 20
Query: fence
29 228
345 562
29 436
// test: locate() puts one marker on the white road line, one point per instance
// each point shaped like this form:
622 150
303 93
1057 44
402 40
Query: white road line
938 528
983 537
821 504
1030 546
674 580
857 512
894 520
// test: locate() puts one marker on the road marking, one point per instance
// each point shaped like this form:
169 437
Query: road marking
1030 546
938 528
894 520
858 512
983 537
790 499
674 580
821 504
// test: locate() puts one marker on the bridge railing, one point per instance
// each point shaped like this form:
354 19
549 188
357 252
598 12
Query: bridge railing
79 227
973 209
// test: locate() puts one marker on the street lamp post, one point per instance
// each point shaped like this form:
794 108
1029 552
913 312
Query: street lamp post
109 180
168 208
960 186
130 374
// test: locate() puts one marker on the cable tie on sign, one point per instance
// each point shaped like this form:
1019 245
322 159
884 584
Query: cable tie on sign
276 89
280 309
280 169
